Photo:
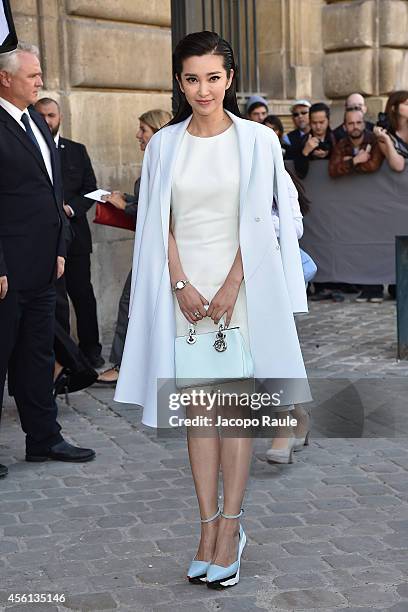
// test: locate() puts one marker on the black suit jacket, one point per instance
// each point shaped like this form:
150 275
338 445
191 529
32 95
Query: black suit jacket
78 179
295 138
32 220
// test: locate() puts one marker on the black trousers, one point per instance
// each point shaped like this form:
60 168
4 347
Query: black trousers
119 338
26 351
80 290
372 290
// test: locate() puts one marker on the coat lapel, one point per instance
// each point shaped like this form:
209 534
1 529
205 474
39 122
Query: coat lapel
246 140
19 133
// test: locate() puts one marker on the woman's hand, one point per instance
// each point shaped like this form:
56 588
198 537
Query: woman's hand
191 303
382 135
223 302
116 198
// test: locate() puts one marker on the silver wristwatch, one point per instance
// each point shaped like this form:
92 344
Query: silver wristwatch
180 285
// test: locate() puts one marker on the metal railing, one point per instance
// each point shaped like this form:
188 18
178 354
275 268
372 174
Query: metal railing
234 20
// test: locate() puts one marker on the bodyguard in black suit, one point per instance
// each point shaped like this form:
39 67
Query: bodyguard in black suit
32 255
78 178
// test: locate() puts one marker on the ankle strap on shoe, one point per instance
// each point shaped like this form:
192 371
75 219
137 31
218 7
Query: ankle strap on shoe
212 517
233 516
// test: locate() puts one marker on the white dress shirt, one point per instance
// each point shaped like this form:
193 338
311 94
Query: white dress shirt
16 113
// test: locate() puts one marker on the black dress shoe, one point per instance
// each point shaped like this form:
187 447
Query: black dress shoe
63 451
3 471
69 382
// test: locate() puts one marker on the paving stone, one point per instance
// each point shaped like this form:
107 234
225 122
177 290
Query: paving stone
280 520
84 511
371 489
7 519
117 520
357 544
337 503
91 601
346 560
83 552
144 597
132 548
14 507
158 516
379 501
378 575
66 569
300 564
20 531
300 580
399 607
317 532
309 548
398 525
304 599
272 536
323 518
235 604
369 594
70 526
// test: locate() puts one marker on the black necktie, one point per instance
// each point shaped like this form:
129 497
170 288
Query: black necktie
26 122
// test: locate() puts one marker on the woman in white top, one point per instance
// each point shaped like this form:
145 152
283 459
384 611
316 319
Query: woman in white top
205 229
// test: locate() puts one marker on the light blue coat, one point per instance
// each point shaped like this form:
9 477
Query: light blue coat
273 274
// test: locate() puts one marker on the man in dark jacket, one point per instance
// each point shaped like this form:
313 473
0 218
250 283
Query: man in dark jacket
358 152
32 256
78 179
318 143
356 102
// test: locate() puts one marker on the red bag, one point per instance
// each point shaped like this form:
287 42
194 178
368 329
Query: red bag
107 214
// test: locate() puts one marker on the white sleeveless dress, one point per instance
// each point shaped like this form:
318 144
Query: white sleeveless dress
205 220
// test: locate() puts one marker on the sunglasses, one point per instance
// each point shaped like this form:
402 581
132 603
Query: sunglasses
298 114
354 108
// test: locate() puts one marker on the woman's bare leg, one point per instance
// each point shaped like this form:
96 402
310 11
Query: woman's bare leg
204 454
236 456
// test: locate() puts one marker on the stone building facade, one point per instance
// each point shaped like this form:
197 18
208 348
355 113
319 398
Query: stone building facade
107 62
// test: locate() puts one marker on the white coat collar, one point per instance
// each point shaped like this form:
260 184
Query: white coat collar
169 146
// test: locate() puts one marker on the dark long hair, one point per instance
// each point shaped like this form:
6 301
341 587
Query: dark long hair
204 43
304 202
391 108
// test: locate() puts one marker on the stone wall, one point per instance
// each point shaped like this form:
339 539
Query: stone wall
290 51
106 62
366 48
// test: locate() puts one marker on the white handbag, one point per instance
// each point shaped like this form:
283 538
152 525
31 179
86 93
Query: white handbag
212 357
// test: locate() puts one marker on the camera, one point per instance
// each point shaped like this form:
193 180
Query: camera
323 146
383 121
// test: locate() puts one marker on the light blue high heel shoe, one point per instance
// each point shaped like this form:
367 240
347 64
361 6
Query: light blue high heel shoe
197 572
219 577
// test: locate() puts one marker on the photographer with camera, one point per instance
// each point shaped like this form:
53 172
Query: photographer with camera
392 130
316 145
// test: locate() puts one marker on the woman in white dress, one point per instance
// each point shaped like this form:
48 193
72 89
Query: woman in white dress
205 247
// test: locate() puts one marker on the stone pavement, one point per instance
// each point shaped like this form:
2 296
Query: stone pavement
329 532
